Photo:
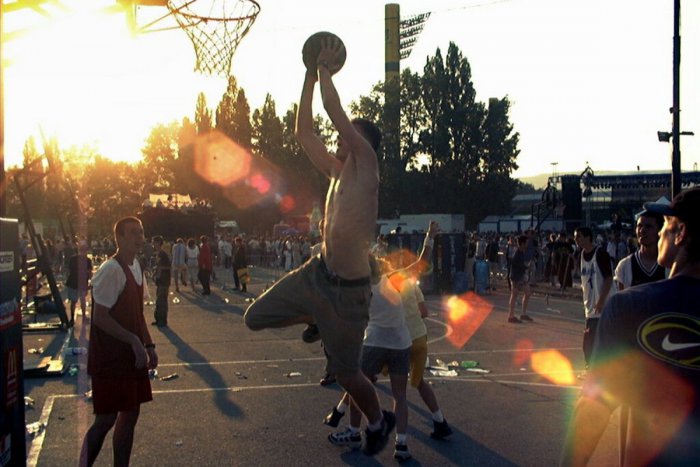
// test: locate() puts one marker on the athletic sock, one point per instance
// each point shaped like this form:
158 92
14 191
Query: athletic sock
437 416
354 429
375 426
400 438
342 407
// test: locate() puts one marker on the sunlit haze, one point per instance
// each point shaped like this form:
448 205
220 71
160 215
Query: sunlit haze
588 81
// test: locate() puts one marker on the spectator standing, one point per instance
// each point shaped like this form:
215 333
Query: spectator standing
161 278
596 283
79 274
121 350
519 282
192 261
226 250
204 264
179 267
641 266
240 261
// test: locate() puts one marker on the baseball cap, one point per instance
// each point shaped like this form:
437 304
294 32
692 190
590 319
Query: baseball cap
685 206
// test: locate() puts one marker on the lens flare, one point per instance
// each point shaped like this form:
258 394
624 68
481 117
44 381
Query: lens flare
660 400
260 183
400 258
287 203
246 180
523 351
465 314
552 365
219 160
389 292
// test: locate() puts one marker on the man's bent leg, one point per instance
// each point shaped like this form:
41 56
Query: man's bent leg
123 439
94 438
290 301
363 394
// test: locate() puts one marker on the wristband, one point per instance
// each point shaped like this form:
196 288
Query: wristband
150 346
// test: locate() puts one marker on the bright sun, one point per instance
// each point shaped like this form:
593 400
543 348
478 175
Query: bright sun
77 74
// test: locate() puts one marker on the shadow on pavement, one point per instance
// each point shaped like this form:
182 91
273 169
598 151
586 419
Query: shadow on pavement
207 373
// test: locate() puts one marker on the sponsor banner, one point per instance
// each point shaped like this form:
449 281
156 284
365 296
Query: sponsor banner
11 374
7 261
9 315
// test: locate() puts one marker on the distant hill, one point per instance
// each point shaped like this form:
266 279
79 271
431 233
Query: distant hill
540 181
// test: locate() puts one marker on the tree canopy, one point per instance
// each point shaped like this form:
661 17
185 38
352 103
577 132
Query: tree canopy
443 151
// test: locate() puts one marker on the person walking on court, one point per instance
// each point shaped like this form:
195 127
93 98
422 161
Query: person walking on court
333 289
519 282
121 350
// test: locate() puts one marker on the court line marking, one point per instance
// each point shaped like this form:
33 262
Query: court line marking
316 359
48 406
38 441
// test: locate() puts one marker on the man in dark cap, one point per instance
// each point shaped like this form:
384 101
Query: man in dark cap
647 355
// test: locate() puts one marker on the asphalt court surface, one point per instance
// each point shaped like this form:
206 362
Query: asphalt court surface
234 401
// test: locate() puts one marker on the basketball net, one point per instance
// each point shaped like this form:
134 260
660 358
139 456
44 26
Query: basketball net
215 27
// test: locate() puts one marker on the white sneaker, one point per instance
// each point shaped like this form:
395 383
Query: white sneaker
346 438
401 452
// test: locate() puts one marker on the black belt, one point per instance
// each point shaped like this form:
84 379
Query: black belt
337 280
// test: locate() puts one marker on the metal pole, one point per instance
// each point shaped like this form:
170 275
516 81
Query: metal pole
675 139
3 187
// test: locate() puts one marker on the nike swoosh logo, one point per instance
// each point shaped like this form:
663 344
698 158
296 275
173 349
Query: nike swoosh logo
669 346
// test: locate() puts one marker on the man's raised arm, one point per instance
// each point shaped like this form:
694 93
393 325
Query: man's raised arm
327 58
304 132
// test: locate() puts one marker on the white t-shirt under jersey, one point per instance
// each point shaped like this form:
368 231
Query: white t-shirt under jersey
109 281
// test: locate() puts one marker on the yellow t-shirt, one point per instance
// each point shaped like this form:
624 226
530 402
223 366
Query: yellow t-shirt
411 296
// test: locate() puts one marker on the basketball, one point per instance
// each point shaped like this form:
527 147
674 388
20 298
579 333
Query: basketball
312 47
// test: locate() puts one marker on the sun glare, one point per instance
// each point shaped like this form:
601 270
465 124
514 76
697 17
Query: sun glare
552 365
465 314
62 77
78 75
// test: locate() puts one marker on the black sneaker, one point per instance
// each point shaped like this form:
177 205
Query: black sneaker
346 438
375 441
327 380
311 334
333 418
401 452
442 430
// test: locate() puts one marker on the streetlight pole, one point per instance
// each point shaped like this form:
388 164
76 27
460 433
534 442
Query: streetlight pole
675 140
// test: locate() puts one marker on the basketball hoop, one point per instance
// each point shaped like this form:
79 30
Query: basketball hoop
215 27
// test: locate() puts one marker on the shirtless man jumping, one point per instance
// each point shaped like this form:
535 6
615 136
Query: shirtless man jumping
333 289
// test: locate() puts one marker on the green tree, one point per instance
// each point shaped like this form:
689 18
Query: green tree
156 168
202 115
31 181
116 195
233 115
267 131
